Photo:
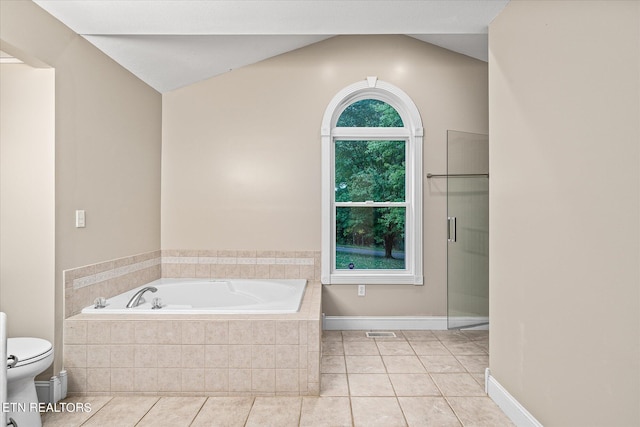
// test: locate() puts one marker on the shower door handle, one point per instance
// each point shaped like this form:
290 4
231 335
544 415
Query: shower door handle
452 232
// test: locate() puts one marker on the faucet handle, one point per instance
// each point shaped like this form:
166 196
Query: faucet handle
156 303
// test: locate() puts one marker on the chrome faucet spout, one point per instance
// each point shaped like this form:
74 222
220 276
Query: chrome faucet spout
135 299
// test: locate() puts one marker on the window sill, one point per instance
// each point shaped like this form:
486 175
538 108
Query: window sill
372 279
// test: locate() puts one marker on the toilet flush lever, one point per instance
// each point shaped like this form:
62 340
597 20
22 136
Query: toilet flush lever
12 361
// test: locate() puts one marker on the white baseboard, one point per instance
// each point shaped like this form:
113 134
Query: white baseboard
345 323
398 323
53 390
509 405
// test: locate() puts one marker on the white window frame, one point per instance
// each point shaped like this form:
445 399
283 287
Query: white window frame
412 133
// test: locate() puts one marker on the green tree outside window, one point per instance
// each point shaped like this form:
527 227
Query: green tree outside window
370 171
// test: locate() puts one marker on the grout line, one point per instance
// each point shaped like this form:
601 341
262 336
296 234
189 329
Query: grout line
101 408
346 374
198 411
148 410
253 402
300 411
404 417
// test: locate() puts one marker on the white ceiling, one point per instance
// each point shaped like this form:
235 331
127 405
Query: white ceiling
174 43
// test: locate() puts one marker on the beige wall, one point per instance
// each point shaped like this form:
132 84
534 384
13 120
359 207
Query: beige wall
565 209
108 144
241 154
27 200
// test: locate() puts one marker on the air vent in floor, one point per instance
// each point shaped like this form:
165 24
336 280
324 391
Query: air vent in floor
381 335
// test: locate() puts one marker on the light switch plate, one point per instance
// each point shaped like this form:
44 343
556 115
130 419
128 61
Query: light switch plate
80 219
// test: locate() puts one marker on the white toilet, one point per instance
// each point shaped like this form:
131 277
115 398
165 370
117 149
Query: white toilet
34 355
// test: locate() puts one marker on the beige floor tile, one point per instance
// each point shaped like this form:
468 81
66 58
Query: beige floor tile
479 377
334 385
442 364
224 411
355 336
73 419
172 411
475 363
360 348
275 411
464 348
458 385
403 365
370 385
454 339
395 348
365 365
377 411
430 348
419 335
414 385
332 348
450 335
476 335
483 345
479 412
122 411
331 335
332 365
428 412
325 411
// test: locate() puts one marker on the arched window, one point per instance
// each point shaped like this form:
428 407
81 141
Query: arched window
371 187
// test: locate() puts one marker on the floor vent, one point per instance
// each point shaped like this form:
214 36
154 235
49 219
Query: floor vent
381 335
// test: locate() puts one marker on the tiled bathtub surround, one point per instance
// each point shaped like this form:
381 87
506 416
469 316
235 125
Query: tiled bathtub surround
241 264
107 279
205 355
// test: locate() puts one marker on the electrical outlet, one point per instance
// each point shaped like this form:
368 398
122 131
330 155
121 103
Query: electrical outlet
361 290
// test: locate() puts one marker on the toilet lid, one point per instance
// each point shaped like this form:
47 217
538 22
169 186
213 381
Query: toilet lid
27 349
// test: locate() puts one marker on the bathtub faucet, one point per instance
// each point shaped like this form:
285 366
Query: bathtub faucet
135 300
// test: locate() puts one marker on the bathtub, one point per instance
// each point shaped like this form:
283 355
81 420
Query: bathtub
212 296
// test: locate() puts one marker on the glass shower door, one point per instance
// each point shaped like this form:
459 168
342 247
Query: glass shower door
468 232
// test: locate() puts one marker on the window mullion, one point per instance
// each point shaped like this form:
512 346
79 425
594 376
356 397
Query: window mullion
370 204
370 133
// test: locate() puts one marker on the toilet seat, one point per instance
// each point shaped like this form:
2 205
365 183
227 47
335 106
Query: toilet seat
28 350
34 357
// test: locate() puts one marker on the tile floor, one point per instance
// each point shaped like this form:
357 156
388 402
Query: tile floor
419 378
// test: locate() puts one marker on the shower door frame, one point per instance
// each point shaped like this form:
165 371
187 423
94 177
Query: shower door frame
468 230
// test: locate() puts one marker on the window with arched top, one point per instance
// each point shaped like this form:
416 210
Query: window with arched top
372 187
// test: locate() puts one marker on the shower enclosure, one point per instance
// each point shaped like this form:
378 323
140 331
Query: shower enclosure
468 229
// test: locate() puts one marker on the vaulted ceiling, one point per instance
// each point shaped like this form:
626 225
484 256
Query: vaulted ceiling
173 43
